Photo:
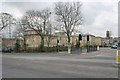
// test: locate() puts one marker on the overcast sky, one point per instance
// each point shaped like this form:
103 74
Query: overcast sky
99 16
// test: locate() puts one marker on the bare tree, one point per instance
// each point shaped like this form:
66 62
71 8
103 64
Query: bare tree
22 27
37 21
6 22
6 19
48 33
69 16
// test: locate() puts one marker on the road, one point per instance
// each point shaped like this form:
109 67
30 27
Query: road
98 64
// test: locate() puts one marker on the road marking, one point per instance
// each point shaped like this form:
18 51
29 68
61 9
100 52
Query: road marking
99 55
84 53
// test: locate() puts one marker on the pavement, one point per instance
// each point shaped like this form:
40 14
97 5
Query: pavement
98 64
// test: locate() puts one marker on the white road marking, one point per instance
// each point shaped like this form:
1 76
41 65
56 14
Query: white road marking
84 53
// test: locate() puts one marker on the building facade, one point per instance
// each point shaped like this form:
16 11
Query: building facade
10 43
33 40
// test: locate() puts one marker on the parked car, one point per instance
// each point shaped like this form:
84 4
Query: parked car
7 49
114 46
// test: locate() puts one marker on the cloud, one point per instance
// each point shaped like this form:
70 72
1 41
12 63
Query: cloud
59 0
0 6
12 10
98 16
24 6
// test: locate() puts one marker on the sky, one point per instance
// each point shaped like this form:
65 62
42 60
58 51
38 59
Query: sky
99 15
119 19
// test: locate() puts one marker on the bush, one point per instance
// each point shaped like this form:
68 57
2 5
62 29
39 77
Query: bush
48 49
54 49
17 47
78 44
29 50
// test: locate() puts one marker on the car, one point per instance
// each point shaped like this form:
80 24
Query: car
7 49
114 46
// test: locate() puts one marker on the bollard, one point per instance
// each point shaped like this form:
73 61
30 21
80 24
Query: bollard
69 48
118 57
97 47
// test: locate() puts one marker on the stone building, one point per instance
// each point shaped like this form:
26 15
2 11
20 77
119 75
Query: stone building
106 41
92 40
10 43
33 40
98 41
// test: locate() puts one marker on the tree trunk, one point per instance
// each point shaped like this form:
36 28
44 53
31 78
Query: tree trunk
48 43
69 45
42 44
25 44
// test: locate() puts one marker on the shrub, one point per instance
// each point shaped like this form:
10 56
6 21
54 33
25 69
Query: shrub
17 47
77 44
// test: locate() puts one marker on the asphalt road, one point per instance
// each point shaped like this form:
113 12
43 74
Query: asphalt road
99 64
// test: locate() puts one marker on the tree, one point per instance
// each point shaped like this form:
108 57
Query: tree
6 20
69 16
17 45
49 32
37 21
20 31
